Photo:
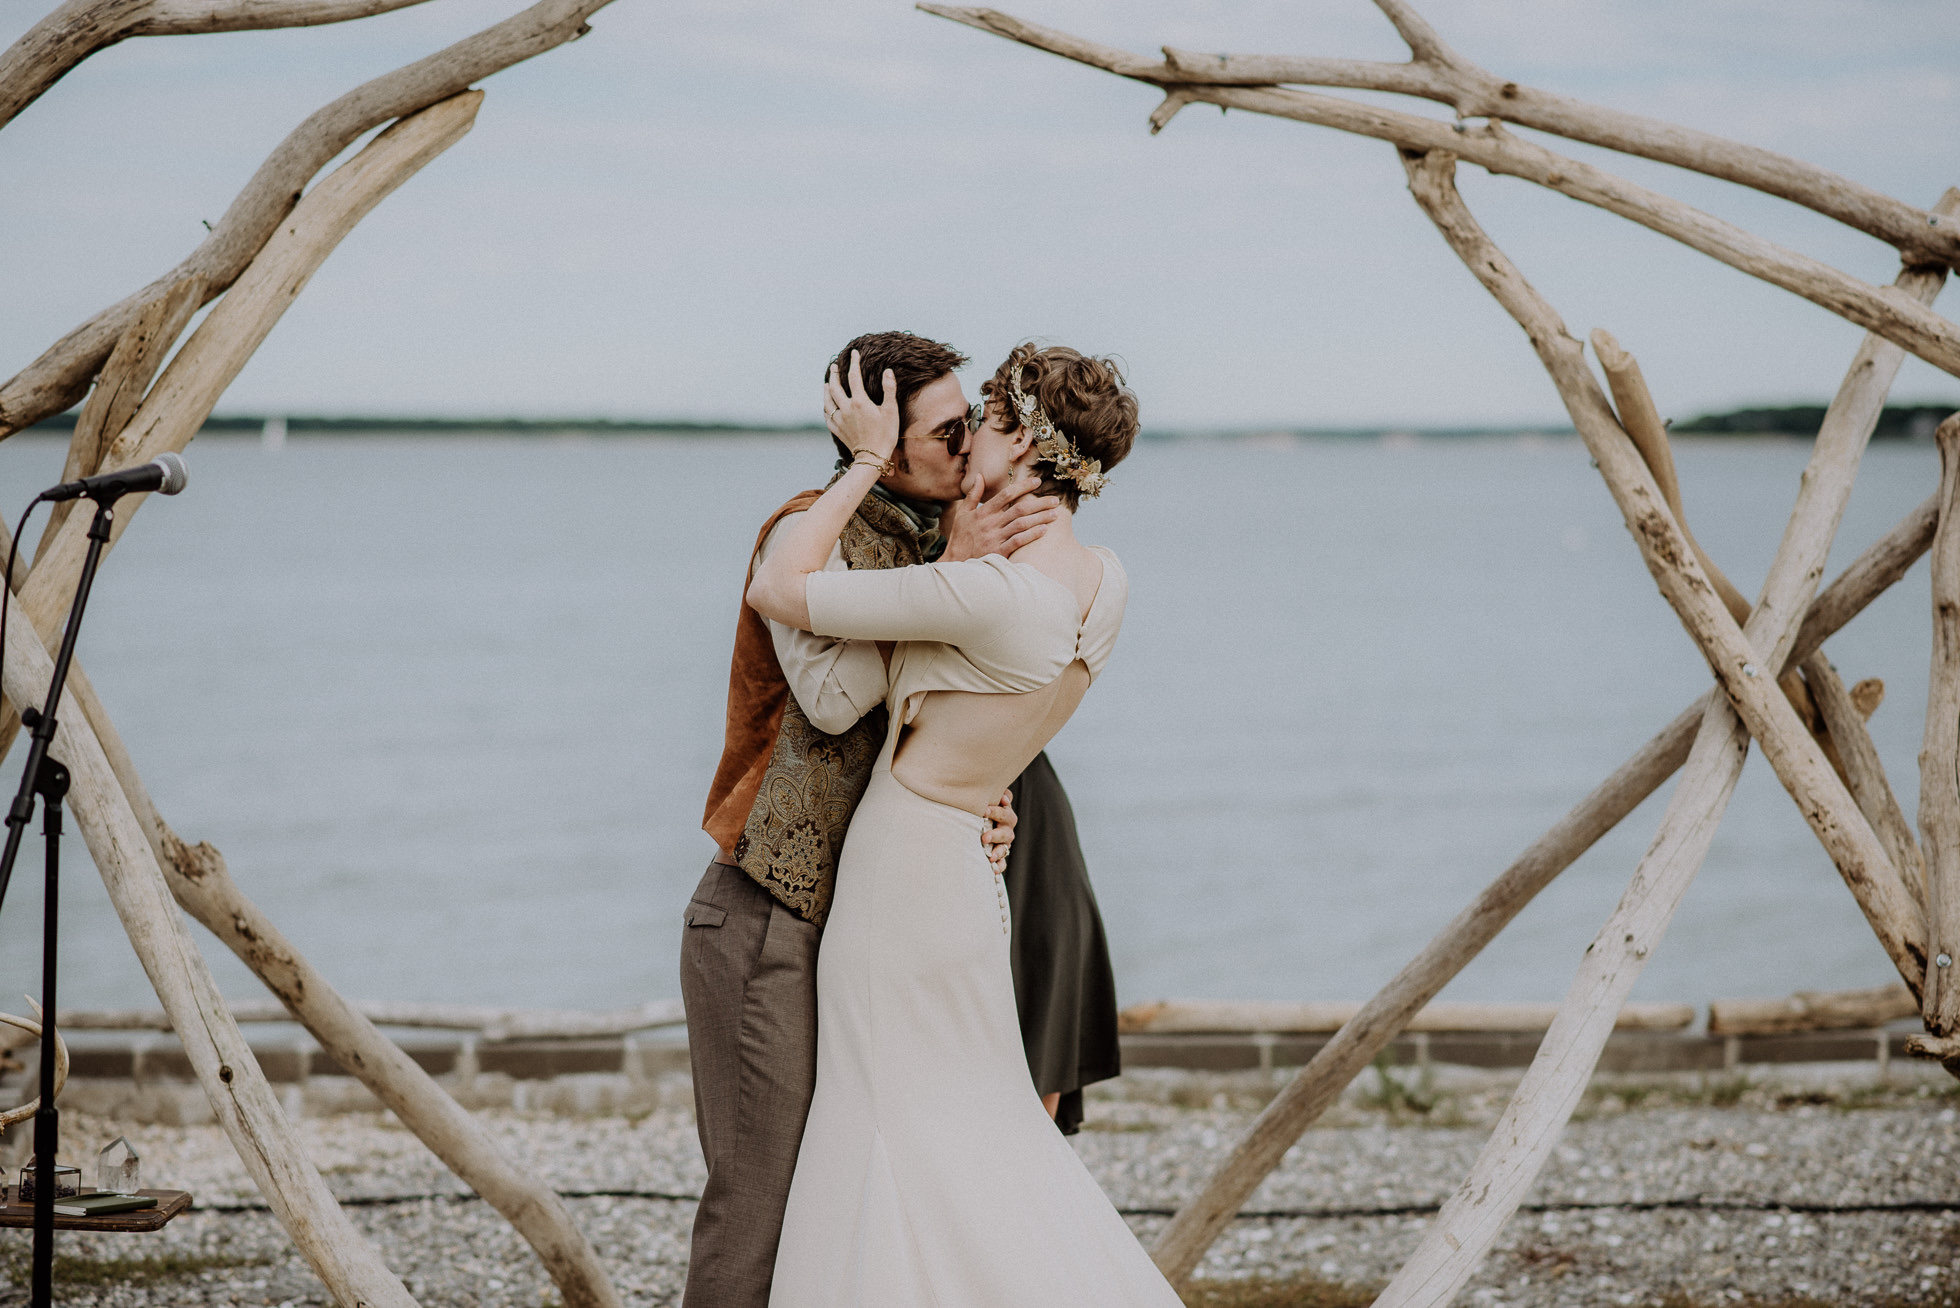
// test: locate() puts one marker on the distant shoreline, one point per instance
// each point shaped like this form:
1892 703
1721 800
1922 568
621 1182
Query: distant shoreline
1898 422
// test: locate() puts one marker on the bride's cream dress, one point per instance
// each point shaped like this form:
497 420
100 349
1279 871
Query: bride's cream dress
930 1176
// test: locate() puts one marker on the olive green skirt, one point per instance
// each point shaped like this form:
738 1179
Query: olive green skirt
1063 984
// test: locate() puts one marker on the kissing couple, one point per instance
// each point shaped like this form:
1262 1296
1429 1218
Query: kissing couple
873 1100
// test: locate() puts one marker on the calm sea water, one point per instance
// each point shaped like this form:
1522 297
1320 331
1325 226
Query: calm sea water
449 707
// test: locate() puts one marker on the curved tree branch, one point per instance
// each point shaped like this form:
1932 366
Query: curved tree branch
61 375
1886 311
1418 35
52 47
1439 73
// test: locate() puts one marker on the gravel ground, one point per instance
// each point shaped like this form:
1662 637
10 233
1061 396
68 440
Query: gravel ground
1809 1190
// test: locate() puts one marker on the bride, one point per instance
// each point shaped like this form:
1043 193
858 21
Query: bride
930 1175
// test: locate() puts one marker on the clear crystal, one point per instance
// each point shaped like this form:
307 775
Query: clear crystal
116 1168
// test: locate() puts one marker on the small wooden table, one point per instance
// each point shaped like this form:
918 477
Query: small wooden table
169 1204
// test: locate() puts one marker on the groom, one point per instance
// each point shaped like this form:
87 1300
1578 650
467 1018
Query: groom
806 720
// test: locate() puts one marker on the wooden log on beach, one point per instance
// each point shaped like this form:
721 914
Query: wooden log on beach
1192 1016
491 1023
1812 1010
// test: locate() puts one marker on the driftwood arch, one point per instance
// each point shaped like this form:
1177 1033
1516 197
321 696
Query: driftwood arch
1773 683
256 261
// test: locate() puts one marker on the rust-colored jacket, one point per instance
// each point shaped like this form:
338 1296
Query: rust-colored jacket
757 692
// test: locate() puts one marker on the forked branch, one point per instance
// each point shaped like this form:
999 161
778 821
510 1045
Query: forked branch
1491 147
1197 1224
61 375
174 408
119 388
1436 72
51 48
1470 1222
1439 73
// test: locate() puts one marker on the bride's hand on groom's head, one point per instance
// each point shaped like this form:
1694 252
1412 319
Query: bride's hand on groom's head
864 427
975 528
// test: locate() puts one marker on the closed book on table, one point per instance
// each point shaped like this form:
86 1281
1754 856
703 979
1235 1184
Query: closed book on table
101 1205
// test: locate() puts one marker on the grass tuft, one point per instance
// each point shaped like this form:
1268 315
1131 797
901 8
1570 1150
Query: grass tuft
16 1266
1928 1299
1261 1292
1397 1094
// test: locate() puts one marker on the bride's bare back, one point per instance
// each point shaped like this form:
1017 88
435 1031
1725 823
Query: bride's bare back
963 748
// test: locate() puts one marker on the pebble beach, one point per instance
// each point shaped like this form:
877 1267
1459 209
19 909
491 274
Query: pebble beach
1815 1187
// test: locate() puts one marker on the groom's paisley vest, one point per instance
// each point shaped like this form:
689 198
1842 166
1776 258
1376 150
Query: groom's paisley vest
783 796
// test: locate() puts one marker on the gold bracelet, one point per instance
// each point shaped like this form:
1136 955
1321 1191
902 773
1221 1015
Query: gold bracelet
884 466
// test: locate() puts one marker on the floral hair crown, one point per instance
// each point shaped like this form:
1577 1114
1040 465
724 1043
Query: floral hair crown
1052 445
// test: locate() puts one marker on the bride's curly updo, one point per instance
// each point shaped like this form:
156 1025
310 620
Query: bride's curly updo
1084 397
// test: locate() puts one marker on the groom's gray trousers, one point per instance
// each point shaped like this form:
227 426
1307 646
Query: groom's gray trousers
749 980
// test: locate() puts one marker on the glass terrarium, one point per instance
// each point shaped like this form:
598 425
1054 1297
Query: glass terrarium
67 1182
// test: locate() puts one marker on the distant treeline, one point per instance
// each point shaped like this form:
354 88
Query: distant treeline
1902 422
246 424
1910 422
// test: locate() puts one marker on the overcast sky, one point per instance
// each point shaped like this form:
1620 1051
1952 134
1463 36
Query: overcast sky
685 213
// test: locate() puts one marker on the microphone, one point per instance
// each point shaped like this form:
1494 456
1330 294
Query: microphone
165 474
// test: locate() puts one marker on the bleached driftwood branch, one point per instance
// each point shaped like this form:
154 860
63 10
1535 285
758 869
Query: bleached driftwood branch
51 48
168 417
1812 1010
1317 1085
1491 147
1743 662
1438 72
183 397
32 1029
203 885
1180 1016
1939 754
1642 421
61 375
1864 773
1643 424
119 389
230 1076
490 1023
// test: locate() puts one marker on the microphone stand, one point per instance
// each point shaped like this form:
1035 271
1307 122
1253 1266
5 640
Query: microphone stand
48 778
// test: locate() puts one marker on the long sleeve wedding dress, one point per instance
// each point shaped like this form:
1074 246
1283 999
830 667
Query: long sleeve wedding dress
930 1176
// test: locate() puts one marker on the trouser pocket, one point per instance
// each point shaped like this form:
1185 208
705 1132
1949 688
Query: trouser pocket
699 914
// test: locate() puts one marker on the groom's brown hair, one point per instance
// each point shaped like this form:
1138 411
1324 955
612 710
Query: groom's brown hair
916 363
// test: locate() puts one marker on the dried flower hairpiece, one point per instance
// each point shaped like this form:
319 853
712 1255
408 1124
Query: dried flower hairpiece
1053 446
